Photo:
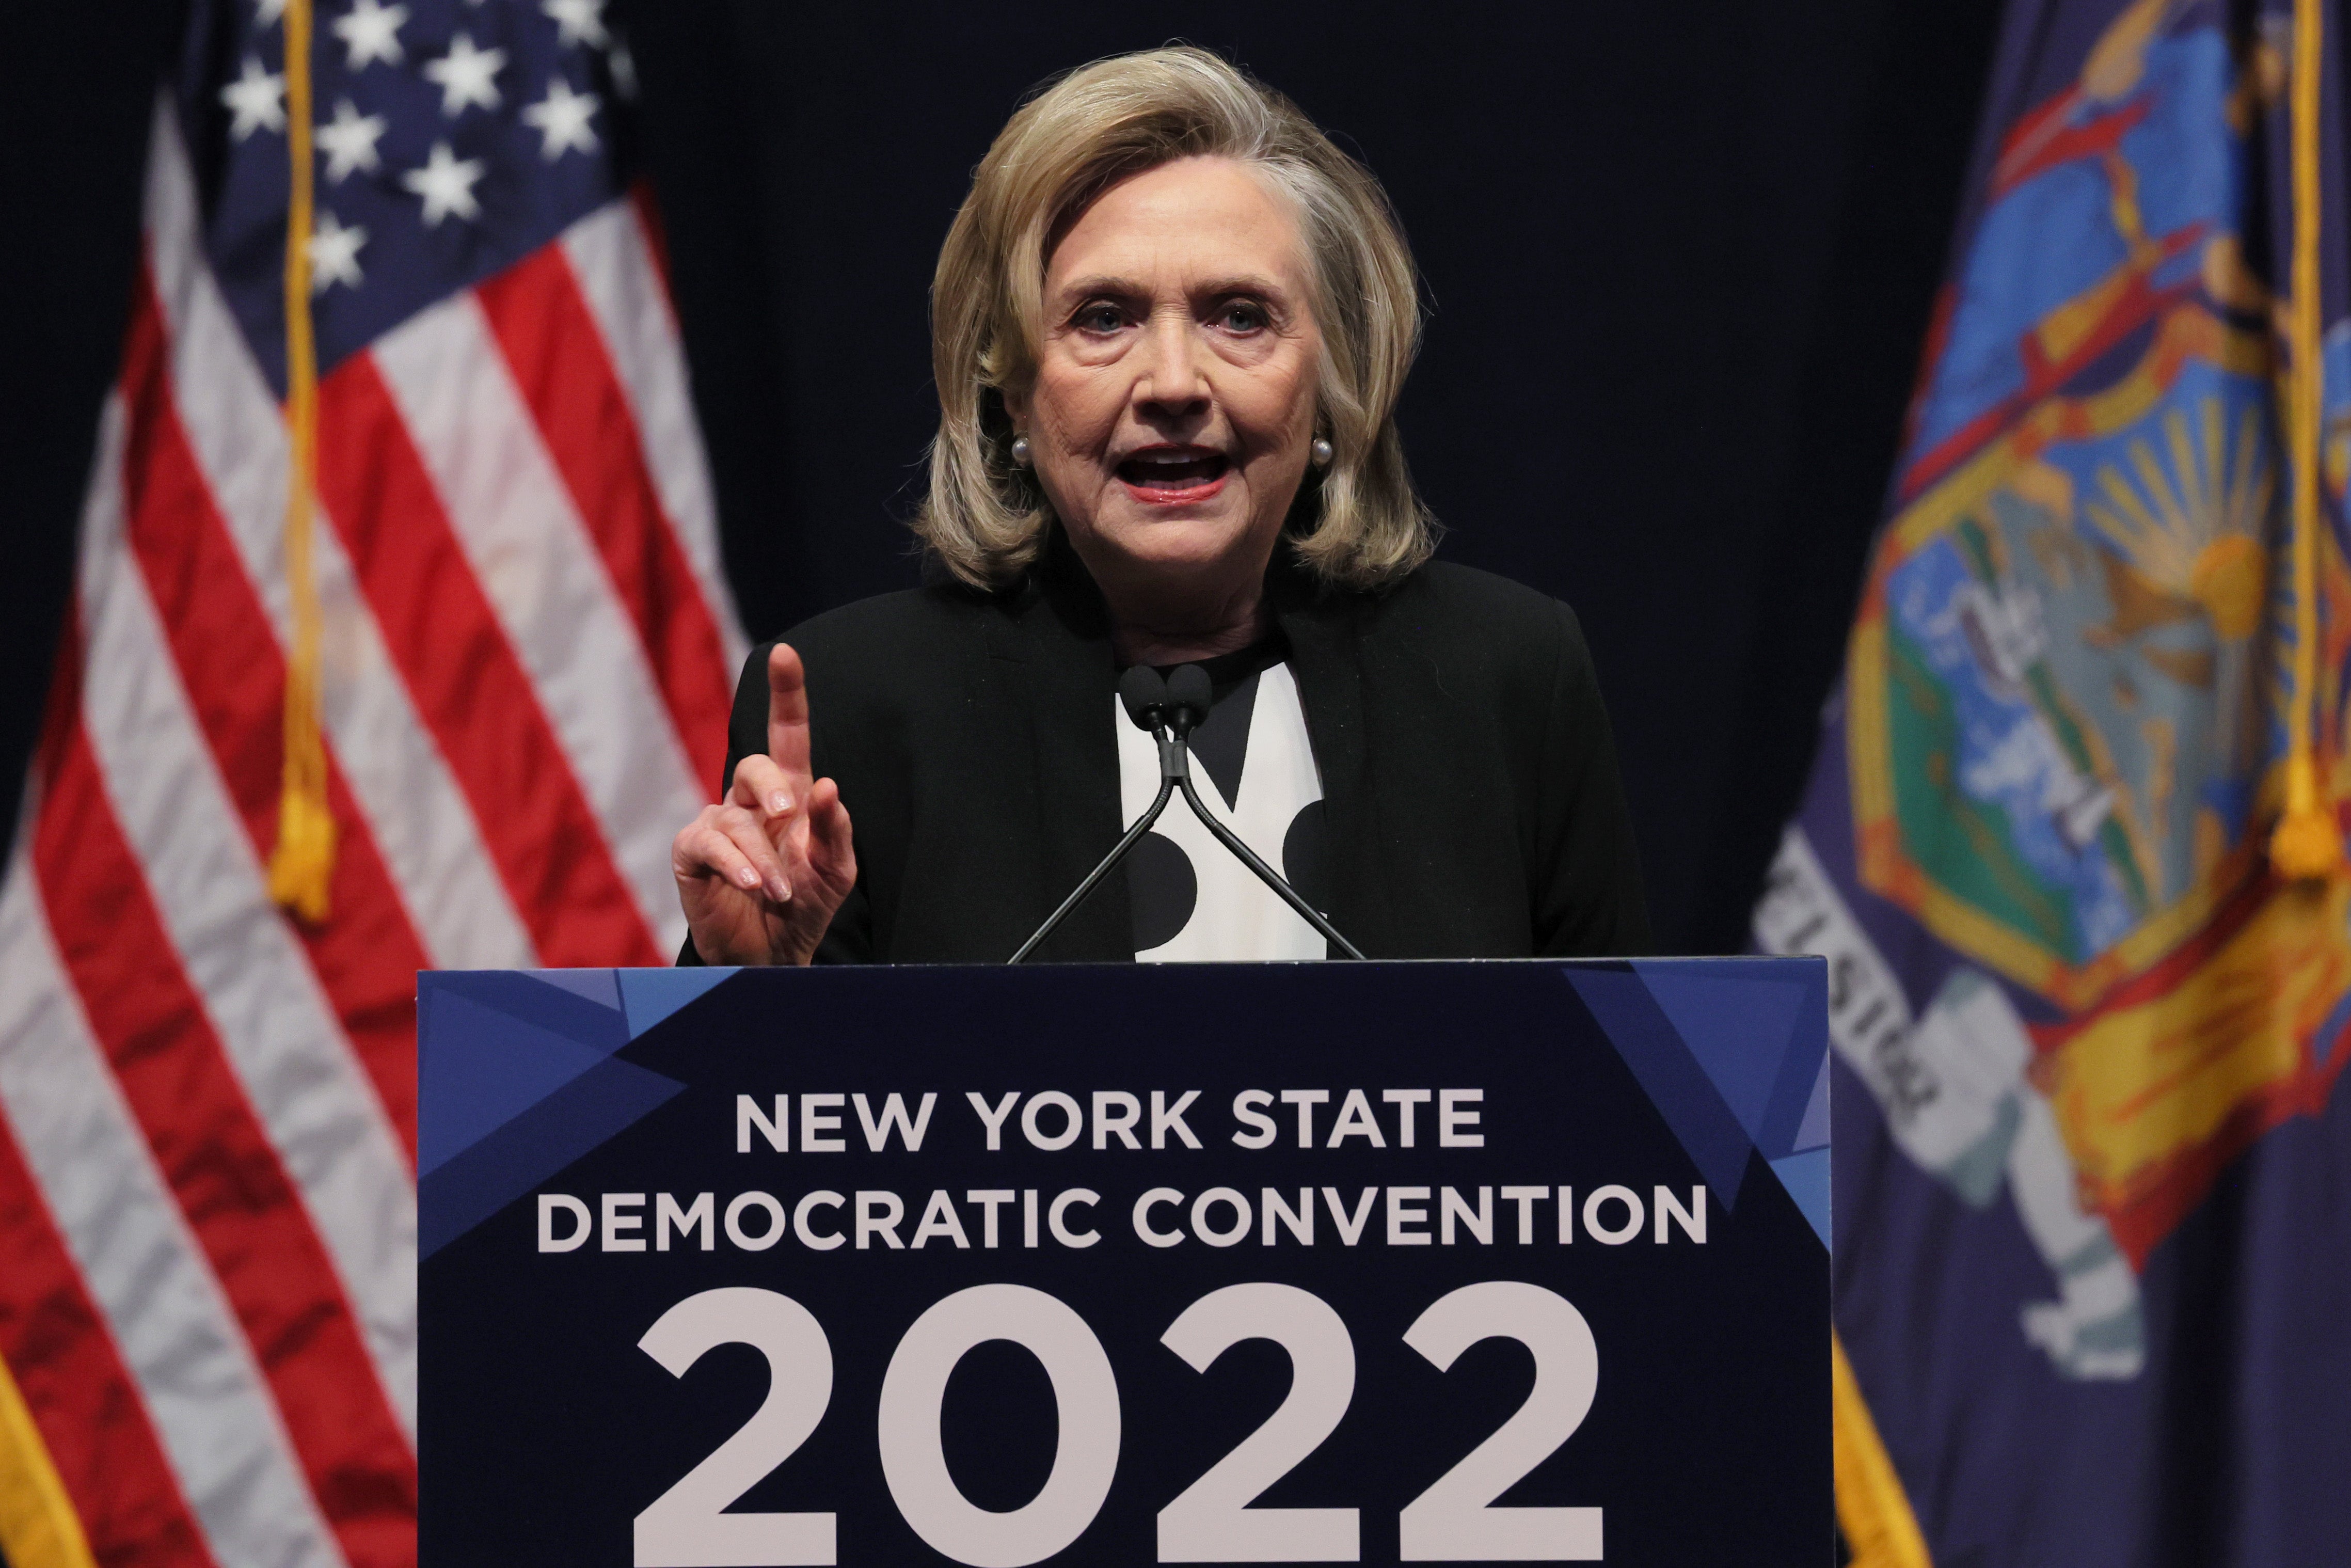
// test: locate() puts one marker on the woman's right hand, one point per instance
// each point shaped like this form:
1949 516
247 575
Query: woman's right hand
762 872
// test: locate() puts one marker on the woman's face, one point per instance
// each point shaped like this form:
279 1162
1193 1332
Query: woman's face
1174 397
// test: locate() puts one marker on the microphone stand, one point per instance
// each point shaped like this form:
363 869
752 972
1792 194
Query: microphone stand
1134 836
1265 873
1171 710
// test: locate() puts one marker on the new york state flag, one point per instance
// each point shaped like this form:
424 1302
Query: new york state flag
2070 843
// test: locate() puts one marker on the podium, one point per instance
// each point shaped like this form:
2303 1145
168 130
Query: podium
1496 1261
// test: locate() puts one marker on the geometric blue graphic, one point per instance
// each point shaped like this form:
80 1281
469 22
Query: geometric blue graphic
1806 1177
485 1069
517 1077
599 1104
1671 1077
492 1043
601 987
1812 1132
1734 1065
1738 1031
649 995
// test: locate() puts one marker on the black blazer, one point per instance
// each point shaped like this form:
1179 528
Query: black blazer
1471 799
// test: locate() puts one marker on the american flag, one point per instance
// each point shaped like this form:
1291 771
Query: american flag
208 1331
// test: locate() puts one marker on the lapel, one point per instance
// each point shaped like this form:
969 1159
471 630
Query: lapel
1326 655
1053 638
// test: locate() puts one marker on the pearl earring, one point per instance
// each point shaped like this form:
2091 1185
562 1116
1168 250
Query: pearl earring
1322 450
1020 452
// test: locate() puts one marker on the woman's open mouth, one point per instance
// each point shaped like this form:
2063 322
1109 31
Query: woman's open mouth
1169 476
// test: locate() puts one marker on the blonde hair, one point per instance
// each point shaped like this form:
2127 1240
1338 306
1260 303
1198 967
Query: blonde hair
985 516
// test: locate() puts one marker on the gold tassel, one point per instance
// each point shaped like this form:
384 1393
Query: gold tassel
1871 1506
303 864
2306 841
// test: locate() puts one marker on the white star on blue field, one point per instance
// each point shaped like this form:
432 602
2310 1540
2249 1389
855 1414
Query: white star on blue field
452 137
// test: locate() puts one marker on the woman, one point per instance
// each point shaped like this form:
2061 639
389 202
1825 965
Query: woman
1170 327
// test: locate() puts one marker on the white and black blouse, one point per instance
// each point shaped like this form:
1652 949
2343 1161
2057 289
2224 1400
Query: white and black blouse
1193 900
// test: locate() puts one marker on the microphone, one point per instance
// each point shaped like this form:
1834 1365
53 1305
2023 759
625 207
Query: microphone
1171 708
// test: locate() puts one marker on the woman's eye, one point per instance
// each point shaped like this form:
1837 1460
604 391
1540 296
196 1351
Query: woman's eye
1100 318
1243 318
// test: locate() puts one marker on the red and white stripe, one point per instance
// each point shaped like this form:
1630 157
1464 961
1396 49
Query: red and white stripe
207 1117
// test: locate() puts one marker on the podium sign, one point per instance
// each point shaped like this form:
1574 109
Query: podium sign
1320 1262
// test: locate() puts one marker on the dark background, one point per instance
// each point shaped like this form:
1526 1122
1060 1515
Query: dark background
1677 262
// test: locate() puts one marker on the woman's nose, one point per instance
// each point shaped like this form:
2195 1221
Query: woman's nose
1173 379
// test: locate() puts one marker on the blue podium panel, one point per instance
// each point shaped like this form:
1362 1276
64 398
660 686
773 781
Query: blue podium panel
1163 1264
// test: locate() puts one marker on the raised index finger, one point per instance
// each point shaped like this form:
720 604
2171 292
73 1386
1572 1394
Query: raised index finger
787 713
